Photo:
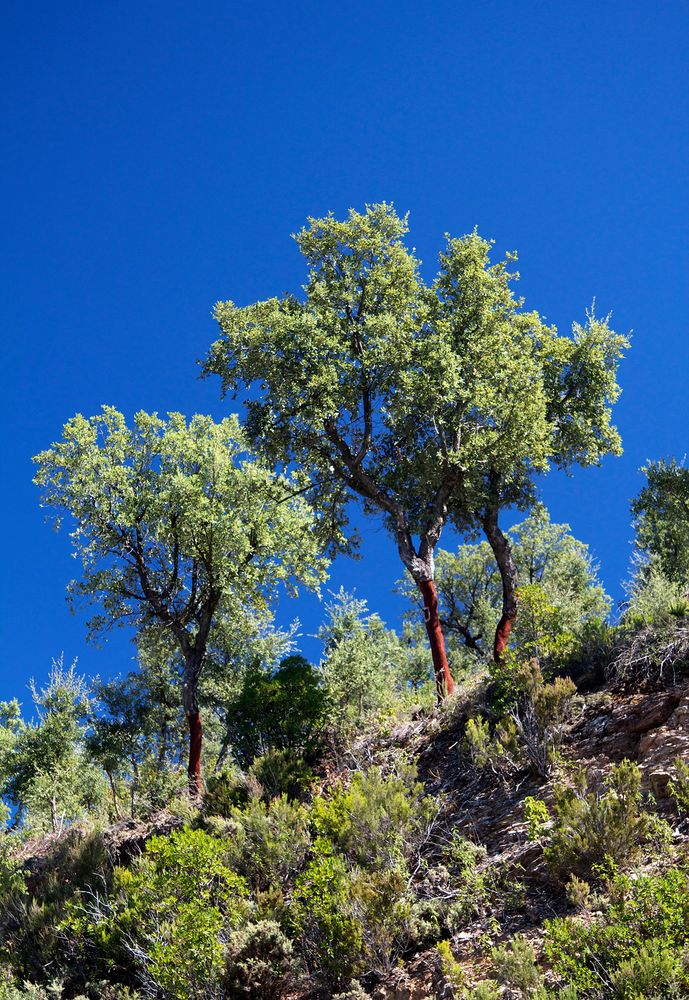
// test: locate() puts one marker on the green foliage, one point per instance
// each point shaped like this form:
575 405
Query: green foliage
678 786
661 519
269 841
536 815
636 944
515 965
378 820
182 499
259 960
651 596
12 873
363 664
322 915
484 750
607 823
45 770
279 772
171 912
559 596
283 710
226 789
136 727
426 401
449 966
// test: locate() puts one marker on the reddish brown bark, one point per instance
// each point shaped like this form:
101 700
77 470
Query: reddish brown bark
195 740
508 574
443 678
502 633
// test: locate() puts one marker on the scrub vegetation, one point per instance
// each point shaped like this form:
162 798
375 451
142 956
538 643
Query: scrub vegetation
490 800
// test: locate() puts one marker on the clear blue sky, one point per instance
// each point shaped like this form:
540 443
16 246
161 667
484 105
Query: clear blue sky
157 156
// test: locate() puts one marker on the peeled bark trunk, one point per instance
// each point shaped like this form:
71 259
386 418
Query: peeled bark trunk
443 678
195 741
191 710
508 574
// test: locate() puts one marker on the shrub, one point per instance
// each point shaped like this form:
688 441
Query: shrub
652 972
378 819
227 789
592 825
323 919
541 714
515 965
170 913
382 908
269 841
259 961
484 752
449 966
678 786
644 925
280 772
537 816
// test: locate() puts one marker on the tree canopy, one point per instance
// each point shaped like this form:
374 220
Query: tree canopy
661 519
430 402
179 530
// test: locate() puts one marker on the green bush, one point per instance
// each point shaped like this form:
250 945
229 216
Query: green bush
269 841
377 820
537 816
169 914
227 789
592 825
286 709
643 926
259 961
515 966
281 772
322 915
652 972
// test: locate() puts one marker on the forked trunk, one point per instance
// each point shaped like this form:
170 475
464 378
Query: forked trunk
508 575
443 678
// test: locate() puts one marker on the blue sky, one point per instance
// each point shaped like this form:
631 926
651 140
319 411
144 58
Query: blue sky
157 157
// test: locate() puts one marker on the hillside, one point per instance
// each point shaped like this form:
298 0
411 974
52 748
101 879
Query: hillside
434 890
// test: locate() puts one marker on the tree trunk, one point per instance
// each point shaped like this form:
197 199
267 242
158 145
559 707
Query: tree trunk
114 795
191 709
443 678
195 741
508 574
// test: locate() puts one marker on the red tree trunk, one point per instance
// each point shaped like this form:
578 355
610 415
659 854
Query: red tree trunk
443 678
195 740
508 574
502 633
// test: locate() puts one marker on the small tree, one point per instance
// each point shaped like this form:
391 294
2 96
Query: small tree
363 661
178 529
427 402
46 772
661 519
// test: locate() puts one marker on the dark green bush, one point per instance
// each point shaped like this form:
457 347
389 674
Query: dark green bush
259 961
285 709
281 772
